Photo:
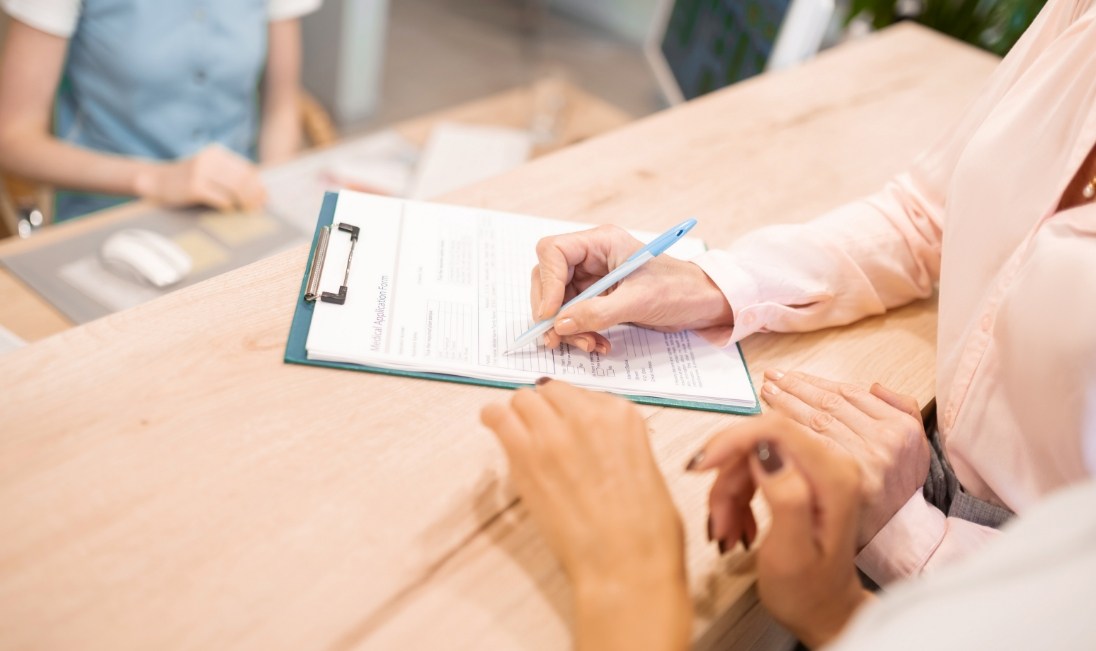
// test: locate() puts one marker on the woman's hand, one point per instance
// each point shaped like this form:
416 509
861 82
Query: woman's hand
584 468
882 430
806 564
665 294
213 177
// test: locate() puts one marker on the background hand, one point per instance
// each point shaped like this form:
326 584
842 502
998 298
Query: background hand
213 177
806 563
665 294
880 429
584 468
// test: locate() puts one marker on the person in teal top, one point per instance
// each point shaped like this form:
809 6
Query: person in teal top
169 100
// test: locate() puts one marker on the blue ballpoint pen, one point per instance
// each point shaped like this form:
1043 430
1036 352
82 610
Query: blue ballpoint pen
637 260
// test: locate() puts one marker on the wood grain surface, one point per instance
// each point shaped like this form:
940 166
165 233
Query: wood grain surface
167 482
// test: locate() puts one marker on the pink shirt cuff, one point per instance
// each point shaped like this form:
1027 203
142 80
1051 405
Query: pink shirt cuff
904 545
742 294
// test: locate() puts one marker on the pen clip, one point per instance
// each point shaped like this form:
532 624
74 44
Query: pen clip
666 240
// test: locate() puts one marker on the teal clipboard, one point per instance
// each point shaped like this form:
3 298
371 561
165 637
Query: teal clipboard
295 352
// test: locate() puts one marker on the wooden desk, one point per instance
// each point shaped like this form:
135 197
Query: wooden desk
581 116
167 482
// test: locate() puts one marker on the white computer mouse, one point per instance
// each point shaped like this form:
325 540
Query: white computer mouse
145 256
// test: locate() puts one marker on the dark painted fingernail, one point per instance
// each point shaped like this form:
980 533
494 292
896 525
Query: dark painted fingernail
711 536
745 541
695 461
541 381
722 547
768 457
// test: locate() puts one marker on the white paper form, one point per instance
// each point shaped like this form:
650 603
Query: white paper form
445 289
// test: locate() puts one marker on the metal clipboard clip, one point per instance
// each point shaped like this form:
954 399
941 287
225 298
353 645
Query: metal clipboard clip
316 269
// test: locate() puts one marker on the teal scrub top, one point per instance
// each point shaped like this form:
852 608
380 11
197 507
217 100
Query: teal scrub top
160 79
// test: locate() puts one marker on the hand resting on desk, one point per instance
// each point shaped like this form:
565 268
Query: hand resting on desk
881 430
215 176
806 569
585 470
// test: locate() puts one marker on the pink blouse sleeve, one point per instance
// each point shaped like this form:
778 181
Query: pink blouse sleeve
870 255
917 539
862 259
853 262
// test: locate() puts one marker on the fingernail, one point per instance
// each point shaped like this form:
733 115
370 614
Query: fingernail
541 381
541 310
774 374
695 461
565 327
745 542
722 547
601 349
767 455
711 536
770 388
583 345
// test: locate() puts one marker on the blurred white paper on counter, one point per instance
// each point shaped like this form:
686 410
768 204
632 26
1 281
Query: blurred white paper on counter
380 164
458 155
8 341
377 176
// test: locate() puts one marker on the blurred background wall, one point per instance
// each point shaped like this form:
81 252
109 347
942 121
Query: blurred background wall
374 62
630 19
344 45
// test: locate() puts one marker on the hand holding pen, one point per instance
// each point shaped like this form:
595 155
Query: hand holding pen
663 294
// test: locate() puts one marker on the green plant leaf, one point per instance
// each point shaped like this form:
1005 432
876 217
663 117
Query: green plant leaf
994 25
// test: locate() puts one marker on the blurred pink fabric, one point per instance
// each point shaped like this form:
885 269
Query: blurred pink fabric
977 213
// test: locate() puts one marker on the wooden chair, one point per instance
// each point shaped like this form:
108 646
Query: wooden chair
19 196
319 130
